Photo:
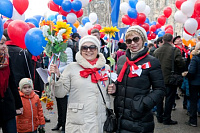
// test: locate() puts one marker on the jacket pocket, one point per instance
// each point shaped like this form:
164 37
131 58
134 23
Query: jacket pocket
137 106
23 125
76 113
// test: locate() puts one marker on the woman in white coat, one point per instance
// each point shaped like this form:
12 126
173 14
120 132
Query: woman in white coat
86 112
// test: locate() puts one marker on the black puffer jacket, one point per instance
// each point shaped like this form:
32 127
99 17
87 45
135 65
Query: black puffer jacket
134 101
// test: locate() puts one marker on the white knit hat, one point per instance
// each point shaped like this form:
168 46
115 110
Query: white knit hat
25 81
140 31
89 38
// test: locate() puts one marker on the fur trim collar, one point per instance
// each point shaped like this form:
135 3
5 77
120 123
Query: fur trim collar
194 52
83 62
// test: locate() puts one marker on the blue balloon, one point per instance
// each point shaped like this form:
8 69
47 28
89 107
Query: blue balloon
147 21
148 32
76 5
58 2
157 31
132 13
74 30
66 5
35 41
33 21
56 15
85 20
152 23
51 17
6 8
63 17
54 21
161 33
105 38
1 28
133 3
39 18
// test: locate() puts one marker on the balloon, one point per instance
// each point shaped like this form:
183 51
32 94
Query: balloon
17 16
82 31
33 21
153 35
35 42
62 12
180 17
5 25
1 28
31 25
51 17
132 13
161 33
4 20
152 28
186 36
76 24
187 8
102 34
197 7
76 5
39 17
170 31
127 20
71 18
88 25
153 23
6 8
89 31
64 18
179 3
140 6
168 27
145 26
147 20
85 20
161 20
167 11
158 26
198 21
66 5
20 5
157 31
92 17
133 3
58 2
124 7
84 2
147 10
191 25
141 18
16 31
97 26
53 6
79 13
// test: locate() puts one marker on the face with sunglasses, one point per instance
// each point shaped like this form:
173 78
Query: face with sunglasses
134 42
89 51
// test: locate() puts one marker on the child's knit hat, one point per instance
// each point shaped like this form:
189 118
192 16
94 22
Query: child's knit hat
25 81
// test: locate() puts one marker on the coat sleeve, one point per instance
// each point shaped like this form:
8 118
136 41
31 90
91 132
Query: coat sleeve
14 89
158 87
179 61
62 86
40 113
192 70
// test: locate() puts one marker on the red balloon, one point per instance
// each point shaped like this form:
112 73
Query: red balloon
89 31
197 7
62 12
97 26
198 21
79 13
90 0
194 15
161 20
152 28
5 25
31 25
65 21
127 20
158 26
20 5
102 35
167 11
16 31
145 26
141 18
121 40
179 3
169 31
153 35
53 6
168 27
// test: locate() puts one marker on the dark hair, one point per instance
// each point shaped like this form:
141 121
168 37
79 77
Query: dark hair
167 37
95 31
122 46
160 39
150 45
74 35
5 33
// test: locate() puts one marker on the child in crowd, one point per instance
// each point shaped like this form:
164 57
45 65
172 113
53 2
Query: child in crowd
32 116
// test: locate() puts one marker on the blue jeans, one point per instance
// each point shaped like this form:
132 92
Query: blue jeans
10 126
198 105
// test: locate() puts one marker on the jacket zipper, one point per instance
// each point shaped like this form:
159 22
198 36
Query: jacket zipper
32 115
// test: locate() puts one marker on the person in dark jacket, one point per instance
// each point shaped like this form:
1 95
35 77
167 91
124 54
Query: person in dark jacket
164 54
10 101
194 83
75 44
159 43
137 71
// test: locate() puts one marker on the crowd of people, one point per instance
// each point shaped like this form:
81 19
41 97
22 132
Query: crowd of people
82 84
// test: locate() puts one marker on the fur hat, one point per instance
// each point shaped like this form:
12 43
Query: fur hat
141 31
25 81
90 38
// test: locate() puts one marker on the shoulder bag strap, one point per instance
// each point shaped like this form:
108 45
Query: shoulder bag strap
101 94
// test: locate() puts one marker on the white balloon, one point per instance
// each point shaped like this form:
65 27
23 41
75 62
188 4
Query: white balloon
71 18
193 1
180 17
84 2
186 36
191 25
162 28
124 6
140 6
17 16
147 10
187 8
88 25
93 17
82 31
59 18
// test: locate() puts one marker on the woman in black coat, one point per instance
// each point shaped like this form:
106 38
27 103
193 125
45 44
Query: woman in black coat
10 101
137 72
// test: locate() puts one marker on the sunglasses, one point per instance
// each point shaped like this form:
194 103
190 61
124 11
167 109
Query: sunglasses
91 47
135 40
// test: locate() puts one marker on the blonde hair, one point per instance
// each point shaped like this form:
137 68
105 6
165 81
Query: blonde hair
130 33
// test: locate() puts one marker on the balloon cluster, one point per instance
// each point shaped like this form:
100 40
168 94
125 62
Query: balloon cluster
189 15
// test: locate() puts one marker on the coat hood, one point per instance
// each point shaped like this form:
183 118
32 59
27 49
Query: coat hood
27 96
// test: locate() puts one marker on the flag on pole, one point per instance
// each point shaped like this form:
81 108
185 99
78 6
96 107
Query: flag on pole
115 12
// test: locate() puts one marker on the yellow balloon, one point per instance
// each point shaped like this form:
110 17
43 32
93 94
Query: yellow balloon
76 24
